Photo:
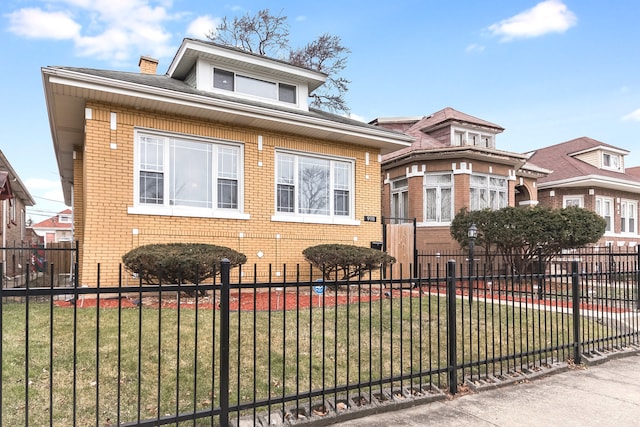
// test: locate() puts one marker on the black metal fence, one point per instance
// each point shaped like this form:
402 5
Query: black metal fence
294 351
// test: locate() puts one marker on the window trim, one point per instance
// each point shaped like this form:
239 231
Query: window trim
400 188
438 188
166 209
624 226
489 188
279 85
578 197
611 156
599 208
331 218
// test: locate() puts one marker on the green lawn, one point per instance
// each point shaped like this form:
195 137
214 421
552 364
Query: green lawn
276 354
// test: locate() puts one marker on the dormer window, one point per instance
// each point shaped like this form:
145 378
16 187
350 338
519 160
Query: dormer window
611 161
463 138
227 80
64 219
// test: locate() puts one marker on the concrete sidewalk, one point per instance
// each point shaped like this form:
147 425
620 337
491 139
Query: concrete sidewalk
606 394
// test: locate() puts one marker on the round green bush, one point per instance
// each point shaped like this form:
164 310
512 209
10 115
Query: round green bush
179 262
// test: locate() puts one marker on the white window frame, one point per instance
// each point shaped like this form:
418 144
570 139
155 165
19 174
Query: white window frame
611 161
166 207
439 209
263 88
489 189
293 181
573 200
399 200
604 208
629 216
464 137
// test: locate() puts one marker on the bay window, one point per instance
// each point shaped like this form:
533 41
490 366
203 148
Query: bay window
488 191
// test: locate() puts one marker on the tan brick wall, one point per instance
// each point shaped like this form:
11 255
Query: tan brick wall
104 191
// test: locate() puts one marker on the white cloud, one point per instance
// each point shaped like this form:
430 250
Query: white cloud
474 48
35 23
633 116
549 16
113 30
202 25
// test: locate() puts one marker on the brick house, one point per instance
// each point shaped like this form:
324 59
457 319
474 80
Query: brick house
58 228
222 149
14 199
452 164
592 174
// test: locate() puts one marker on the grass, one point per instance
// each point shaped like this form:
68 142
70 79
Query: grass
99 377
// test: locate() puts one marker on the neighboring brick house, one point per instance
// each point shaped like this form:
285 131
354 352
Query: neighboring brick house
452 164
222 149
58 228
592 174
14 199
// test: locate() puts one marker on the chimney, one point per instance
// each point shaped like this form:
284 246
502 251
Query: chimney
148 65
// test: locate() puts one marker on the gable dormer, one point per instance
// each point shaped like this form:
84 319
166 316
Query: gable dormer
235 73
603 157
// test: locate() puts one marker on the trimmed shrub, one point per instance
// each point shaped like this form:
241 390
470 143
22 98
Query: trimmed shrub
347 260
179 262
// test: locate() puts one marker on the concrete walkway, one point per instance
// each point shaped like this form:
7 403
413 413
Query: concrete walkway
604 394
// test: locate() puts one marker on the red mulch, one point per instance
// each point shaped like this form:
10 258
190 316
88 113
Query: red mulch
277 300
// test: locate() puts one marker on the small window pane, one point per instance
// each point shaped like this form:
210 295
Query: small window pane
341 202
256 87
228 162
222 79
286 198
151 188
287 93
227 194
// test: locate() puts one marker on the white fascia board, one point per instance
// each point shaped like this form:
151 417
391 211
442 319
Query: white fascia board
211 52
593 181
72 79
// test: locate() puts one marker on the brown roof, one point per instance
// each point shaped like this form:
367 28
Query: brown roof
424 142
54 223
560 160
5 186
448 114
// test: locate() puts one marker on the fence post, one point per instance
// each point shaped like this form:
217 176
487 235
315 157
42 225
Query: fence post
452 361
575 293
225 267
638 279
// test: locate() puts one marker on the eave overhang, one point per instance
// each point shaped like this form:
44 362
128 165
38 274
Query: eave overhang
595 181
67 92
514 160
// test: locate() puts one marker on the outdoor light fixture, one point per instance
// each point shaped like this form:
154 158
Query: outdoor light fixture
472 233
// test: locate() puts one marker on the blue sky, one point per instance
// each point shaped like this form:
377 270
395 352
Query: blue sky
547 71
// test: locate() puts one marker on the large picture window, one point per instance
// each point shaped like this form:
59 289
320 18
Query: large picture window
183 172
310 185
438 198
488 191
